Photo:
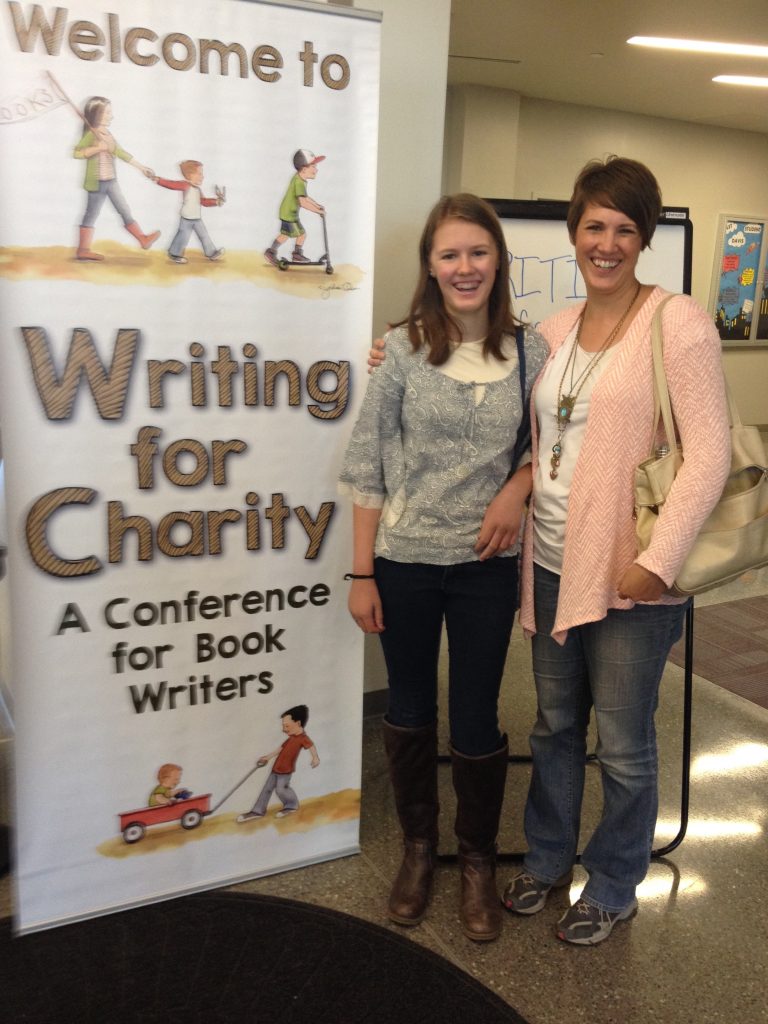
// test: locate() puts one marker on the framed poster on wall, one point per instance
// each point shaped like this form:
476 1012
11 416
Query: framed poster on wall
738 294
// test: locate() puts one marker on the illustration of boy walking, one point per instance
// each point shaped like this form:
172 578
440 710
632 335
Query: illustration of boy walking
191 211
295 200
293 722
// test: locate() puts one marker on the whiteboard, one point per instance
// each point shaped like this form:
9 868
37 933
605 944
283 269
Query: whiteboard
543 274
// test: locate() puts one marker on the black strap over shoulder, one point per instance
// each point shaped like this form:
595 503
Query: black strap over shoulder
523 439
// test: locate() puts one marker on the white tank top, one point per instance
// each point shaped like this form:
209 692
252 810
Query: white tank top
551 496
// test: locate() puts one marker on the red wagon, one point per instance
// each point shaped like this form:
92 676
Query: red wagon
190 812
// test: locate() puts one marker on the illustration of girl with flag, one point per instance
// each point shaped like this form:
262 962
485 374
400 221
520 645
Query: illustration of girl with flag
99 148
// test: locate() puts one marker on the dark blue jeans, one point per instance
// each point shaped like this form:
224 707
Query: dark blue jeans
613 666
477 601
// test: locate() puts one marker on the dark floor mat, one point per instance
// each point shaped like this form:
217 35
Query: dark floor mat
227 958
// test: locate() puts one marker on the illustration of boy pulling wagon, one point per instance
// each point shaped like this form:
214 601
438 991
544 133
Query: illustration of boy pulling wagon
170 802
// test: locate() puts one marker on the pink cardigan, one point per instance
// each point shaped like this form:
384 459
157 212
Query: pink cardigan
600 531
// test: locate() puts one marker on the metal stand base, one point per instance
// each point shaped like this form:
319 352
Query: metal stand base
5 850
685 784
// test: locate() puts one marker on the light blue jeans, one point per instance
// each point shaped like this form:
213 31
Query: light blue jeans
614 666
106 190
186 227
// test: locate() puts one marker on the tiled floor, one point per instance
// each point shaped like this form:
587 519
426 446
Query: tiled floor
731 647
698 949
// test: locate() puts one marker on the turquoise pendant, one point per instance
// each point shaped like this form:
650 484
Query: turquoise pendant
565 408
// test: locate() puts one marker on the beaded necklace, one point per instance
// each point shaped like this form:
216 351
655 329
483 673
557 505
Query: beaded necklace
565 403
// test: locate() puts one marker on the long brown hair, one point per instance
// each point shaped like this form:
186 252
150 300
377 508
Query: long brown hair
94 111
428 321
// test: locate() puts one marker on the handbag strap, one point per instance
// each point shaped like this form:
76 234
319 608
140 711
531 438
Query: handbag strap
520 342
661 402
523 439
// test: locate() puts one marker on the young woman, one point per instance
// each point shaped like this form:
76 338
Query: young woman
99 148
438 506
601 618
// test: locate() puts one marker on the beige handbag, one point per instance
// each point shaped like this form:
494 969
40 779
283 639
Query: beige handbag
735 536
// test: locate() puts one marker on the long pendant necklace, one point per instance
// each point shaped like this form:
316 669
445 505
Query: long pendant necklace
565 403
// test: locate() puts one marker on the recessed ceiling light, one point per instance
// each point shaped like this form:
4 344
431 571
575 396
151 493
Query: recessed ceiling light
700 46
742 80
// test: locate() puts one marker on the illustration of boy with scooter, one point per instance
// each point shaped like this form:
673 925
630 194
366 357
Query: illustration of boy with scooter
295 200
293 722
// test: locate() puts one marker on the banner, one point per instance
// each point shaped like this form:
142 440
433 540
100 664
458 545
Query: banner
186 252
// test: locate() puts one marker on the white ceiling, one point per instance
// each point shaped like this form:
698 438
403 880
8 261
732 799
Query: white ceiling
545 49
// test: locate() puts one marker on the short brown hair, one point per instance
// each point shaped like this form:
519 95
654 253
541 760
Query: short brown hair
428 320
620 184
188 166
165 770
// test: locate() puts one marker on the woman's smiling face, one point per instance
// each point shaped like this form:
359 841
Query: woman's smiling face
608 245
464 261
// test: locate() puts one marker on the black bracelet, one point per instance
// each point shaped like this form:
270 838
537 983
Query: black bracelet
357 576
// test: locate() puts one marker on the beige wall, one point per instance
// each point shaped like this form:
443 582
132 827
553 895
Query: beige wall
480 122
709 170
414 67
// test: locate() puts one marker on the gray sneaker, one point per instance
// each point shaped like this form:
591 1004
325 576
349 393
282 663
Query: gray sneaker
528 895
299 257
586 925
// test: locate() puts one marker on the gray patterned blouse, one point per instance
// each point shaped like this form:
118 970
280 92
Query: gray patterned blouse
429 455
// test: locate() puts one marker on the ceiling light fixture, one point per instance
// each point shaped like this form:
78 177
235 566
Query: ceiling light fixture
752 80
700 46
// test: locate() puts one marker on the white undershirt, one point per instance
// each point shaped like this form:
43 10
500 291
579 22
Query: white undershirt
551 496
468 364
191 204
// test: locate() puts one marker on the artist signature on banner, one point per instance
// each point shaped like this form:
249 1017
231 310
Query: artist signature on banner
326 289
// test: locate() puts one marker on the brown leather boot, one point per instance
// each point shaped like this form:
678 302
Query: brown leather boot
84 247
409 897
480 910
144 240
412 755
479 783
